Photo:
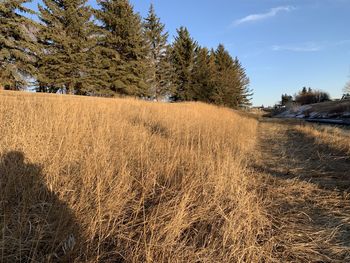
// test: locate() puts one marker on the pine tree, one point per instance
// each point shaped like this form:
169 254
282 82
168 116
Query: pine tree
158 77
17 45
232 82
225 92
203 75
67 47
242 82
182 59
286 99
123 47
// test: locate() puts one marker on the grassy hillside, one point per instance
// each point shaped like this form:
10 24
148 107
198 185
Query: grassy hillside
120 180
113 180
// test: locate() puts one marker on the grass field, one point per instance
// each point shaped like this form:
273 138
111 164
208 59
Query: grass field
121 180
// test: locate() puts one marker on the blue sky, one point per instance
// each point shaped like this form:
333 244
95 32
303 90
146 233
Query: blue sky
283 44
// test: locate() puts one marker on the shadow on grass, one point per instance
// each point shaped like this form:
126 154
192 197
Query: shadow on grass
309 160
36 225
310 182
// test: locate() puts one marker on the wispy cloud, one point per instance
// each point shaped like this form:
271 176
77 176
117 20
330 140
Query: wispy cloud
304 47
262 16
311 46
342 42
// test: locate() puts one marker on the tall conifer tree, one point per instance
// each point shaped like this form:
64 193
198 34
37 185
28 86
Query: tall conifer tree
158 76
203 75
182 59
242 81
124 53
67 42
231 81
225 92
17 45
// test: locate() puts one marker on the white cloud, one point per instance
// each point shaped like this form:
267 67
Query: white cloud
342 42
262 16
311 46
305 47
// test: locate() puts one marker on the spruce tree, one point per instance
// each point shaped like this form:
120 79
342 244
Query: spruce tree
158 77
225 90
242 82
124 52
17 45
182 59
231 81
67 41
203 75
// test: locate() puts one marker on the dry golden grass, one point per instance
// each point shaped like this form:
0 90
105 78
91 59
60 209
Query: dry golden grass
338 138
120 180
307 182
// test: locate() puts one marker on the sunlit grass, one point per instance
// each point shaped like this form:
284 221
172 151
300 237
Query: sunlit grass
114 180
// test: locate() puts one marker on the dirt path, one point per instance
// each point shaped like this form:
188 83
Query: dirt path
309 184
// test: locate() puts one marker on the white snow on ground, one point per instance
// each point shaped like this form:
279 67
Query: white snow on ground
294 112
306 111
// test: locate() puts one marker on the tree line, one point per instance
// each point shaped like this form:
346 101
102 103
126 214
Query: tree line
305 96
112 51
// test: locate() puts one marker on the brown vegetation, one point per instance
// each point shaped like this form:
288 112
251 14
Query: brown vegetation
306 169
112 180
121 180
337 138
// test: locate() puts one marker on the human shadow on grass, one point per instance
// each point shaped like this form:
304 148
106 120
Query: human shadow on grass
36 225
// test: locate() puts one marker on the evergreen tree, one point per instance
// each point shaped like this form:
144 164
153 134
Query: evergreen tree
286 99
203 76
123 48
231 87
242 83
158 77
304 91
182 59
67 41
17 45
225 91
